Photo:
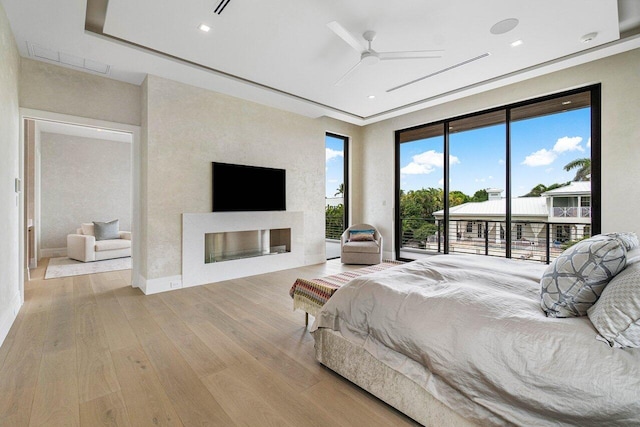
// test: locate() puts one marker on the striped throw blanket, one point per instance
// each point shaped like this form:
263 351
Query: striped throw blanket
311 294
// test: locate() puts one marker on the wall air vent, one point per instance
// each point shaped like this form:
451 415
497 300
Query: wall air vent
49 55
484 55
221 6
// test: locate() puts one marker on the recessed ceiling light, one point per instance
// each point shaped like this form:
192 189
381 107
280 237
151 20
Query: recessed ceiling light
504 26
204 27
516 43
588 37
371 96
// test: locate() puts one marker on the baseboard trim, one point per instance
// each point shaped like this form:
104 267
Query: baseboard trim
53 252
8 317
161 284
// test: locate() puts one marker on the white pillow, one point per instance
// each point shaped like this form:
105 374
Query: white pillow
616 315
633 256
573 282
87 229
628 238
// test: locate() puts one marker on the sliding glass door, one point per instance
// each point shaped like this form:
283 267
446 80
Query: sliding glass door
520 181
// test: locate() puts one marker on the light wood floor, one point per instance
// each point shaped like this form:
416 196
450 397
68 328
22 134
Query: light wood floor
93 351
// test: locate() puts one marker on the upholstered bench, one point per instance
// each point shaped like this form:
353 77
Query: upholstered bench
310 295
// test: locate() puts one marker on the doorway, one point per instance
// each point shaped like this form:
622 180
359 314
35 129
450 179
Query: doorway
55 147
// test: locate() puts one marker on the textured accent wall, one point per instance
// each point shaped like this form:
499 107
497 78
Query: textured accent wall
9 170
62 90
83 180
187 128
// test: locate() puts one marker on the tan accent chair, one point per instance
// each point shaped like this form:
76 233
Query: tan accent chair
361 252
83 246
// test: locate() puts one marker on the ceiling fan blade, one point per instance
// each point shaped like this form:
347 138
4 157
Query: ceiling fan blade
348 73
345 35
416 54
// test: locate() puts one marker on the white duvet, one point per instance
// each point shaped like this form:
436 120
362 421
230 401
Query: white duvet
491 354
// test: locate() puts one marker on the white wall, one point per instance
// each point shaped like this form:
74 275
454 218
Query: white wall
83 180
620 79
9 170
49 87
187 128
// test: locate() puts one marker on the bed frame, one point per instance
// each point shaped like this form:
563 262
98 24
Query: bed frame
358 366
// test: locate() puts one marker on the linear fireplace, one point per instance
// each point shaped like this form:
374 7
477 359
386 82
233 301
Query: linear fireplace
220 246
232 245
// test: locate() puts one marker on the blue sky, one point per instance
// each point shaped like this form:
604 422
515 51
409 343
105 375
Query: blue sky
540 148
334 165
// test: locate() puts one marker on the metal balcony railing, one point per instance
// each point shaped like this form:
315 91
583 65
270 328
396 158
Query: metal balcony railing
334 228
537 241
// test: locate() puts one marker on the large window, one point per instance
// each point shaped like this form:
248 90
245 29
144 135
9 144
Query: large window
508 171
336 206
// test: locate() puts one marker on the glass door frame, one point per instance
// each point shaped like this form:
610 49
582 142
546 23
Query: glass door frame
596 189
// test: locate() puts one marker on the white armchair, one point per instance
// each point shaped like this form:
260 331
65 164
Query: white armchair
83 246
361 244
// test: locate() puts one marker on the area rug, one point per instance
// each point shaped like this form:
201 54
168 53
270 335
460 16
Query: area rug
64 267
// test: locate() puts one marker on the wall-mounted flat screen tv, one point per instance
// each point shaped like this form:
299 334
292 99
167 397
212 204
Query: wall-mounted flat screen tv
238 188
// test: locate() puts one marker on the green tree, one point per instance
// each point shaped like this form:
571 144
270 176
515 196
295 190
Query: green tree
340 190
458 198
417 208
541 188
480 196
583 166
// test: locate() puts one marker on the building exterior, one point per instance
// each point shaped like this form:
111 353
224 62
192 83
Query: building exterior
540 226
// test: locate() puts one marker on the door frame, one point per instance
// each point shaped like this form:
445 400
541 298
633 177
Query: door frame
136 205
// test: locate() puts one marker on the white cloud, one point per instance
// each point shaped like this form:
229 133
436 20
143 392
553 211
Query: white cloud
427 162
548 170
501 162
589 142
332 154
441 181
540 158
567 143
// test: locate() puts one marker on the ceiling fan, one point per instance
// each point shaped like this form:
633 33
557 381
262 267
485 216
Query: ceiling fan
368 56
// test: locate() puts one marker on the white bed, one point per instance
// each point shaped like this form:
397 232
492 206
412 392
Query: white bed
455 339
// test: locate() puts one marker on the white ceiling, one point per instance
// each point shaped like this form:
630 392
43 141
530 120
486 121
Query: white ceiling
284 55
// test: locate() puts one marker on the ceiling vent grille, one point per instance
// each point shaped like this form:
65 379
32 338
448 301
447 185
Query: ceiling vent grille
460 64
221 6
42 53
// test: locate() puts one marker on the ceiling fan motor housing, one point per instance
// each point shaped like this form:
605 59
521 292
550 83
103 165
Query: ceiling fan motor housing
369 58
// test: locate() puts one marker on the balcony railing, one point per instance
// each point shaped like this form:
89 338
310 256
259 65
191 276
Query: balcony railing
571 212
334 228
537 241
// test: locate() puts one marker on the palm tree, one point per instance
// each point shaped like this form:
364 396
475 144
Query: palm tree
340 190
584 169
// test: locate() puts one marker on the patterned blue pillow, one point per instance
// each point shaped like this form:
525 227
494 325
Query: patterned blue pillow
574 281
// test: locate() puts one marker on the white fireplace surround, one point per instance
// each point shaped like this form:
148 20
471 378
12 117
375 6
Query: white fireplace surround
195 225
